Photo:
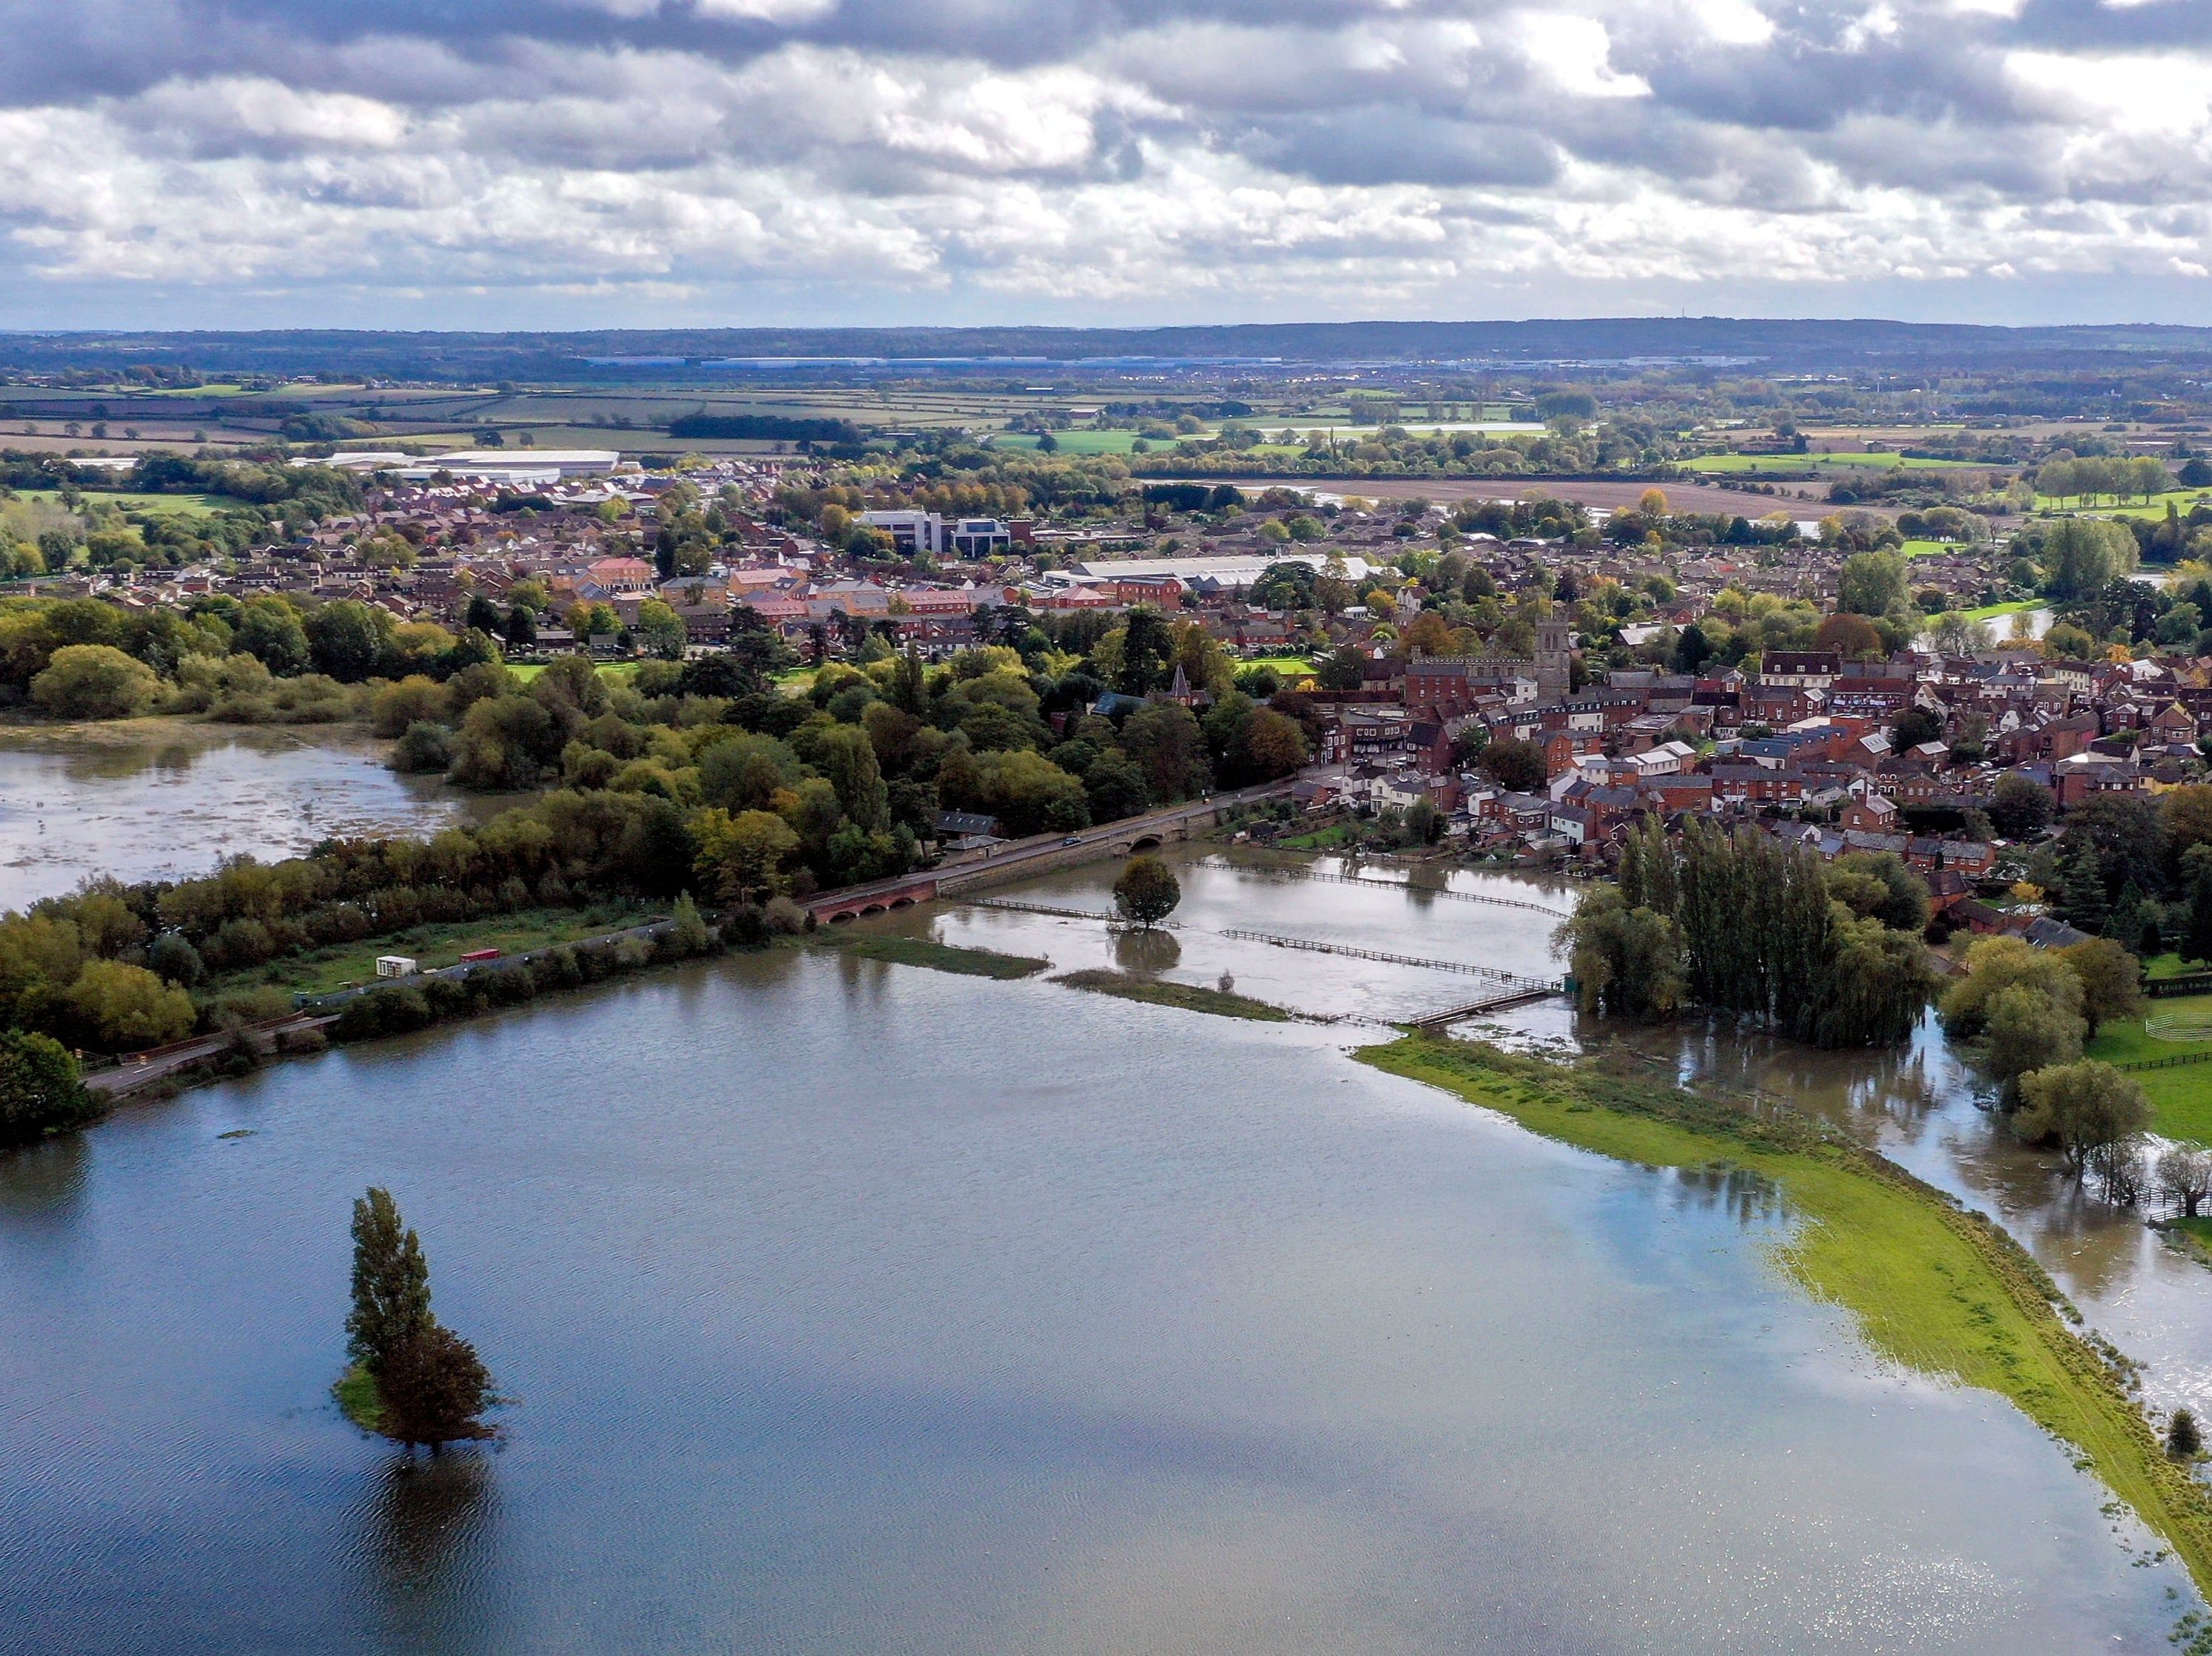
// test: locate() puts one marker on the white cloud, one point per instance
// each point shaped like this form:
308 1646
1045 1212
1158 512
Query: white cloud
768 11
1312 158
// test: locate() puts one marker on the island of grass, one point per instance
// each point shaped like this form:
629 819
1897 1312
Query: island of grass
1930 1286
1155 991
940 956
358 1399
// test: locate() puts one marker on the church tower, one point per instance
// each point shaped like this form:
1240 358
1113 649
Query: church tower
1555 645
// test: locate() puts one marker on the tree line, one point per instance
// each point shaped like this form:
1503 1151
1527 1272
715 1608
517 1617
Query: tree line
1745 924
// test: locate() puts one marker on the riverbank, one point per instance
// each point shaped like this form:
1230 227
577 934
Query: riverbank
1930 1286
1188 996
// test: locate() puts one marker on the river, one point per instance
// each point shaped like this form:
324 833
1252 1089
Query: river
160 799
855 1307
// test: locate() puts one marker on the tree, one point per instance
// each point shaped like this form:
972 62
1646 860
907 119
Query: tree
2024 1033
742 857
661 629
848 758
1275 744
1914 727
1148 652
345 638
2022 806
2196 881
1167 745
1848 635
1114 786
2185 1177
269 629
2083 1108
1995 964
1871 583
1515 765
1343 669
481 614
2083 556
391 1282
125 1007
1146 892
96 681
2110 978
521 627
432 1389
1899 899
2188 812
2183 1440
1627 962
40 1092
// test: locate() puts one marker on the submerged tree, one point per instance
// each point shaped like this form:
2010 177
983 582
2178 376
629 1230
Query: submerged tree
2183 1441
1147 891
391 1281
430 1384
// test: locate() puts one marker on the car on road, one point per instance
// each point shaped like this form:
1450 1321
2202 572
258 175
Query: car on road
1072 840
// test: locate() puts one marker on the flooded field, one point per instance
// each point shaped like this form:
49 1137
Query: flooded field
849 1306
176 801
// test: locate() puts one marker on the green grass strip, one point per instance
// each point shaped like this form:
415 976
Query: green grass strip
358 1399
1189 997
940 957
1930 1285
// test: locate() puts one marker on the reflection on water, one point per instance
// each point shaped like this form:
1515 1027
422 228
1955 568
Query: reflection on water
169 808
1748 1198
425 1530
1149 953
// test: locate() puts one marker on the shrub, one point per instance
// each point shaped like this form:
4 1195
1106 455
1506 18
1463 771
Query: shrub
746 926
127 1007
40 1092
422 747
96 681
382 1012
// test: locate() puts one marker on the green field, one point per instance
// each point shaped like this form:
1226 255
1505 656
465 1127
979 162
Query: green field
1190 997
341 965
940 956
1993 611
1074 442
199 506
1738 463
1929 1285
2181 500
1929 549
1286 666
2181 1096
529 670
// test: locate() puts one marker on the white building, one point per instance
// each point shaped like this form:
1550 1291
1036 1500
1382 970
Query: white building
496 463
916 534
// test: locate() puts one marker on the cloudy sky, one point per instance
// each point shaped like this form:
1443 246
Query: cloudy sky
619 163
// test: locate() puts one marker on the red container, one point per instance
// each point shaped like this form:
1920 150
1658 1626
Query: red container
480 954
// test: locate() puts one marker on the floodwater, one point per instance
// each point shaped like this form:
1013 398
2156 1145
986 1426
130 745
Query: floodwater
855 1307
174 805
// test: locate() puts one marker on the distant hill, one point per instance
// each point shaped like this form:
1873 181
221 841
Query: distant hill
1772 346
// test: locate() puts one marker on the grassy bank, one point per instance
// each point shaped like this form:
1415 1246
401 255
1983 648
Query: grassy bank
357 1399
1929 1285
1192 999
940 956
